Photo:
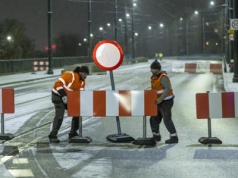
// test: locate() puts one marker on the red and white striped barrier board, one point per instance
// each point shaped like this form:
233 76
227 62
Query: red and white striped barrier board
190 67
40 65
217 105
112 103
7 100
203 67
216 68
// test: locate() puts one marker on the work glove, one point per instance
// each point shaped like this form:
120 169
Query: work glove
158 100
65 99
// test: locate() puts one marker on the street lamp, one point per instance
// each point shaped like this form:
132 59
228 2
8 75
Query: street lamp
89 29
50 56
101 29
212 3
9 38
132 31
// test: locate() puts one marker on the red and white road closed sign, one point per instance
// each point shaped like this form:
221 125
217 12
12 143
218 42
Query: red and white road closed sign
217 105
7 100
108 55
112 103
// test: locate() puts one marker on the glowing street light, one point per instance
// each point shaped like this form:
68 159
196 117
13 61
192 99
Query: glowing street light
9 38
212 3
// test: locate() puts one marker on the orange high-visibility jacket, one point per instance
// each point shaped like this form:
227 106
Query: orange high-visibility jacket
156 85
69 81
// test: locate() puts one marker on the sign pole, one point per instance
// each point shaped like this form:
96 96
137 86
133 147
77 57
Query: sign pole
235 26
117 117
2 123
108 55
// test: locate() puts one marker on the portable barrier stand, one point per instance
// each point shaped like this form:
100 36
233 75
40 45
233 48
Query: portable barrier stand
110 103
144 140
6 106
108 55
80 138
215 105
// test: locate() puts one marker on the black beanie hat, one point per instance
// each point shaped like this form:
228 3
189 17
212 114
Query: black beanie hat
82 69
155 65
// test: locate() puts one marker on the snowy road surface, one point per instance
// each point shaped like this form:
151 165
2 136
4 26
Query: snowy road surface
29 154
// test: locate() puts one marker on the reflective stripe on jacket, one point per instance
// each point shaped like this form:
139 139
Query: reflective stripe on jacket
69 81
156 85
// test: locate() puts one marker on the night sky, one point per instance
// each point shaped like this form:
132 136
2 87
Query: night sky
72 16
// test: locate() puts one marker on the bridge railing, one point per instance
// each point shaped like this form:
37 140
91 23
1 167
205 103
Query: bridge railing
25 65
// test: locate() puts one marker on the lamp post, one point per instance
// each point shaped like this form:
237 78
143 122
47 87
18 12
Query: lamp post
235 77
89 29
50 56
115 21
132 32
231 44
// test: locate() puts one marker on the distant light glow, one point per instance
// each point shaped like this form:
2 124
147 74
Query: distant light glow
9 38
212 3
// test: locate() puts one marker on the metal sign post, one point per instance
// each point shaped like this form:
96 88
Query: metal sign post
80 138
108 55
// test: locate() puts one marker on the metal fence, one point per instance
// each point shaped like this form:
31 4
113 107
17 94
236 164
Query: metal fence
26 65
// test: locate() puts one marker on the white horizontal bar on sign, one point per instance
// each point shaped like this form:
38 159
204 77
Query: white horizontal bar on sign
112 103
137 103
203 67
236 104
86 97
215 105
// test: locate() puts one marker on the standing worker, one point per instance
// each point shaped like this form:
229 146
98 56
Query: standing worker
69 81
165 99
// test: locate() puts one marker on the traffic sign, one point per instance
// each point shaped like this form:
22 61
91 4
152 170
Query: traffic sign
108 55
234 24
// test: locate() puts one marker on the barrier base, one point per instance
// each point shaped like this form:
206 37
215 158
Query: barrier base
144 141
78 139
209 140
6 136
120 138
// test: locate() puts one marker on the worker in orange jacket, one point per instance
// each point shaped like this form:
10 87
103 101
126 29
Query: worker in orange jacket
69 81
165 99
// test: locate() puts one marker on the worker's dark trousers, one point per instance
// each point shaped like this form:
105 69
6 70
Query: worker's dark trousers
59 115
164 111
